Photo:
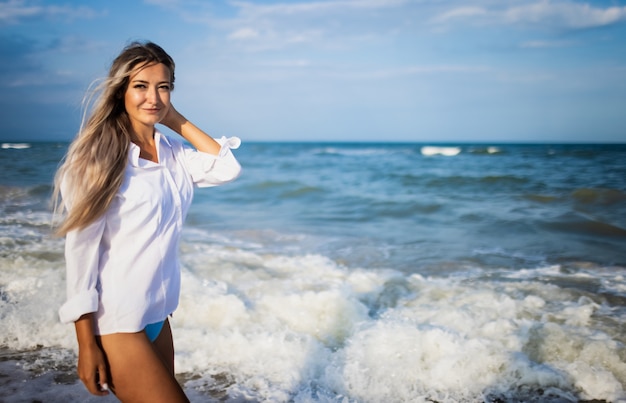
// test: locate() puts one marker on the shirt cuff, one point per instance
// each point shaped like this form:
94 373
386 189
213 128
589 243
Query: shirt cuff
213 170
231 143
78 305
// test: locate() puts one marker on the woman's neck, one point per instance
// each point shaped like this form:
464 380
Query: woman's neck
147 146
142 134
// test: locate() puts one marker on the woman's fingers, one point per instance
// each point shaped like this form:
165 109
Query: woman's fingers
92 371
103 379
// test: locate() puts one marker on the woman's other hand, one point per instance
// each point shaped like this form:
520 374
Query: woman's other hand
92 366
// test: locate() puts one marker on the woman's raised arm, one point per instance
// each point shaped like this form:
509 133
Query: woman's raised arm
190 132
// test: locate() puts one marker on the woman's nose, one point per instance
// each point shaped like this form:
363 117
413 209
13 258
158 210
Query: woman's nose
153 95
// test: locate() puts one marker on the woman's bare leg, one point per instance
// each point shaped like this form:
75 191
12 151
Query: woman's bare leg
165 346
138 372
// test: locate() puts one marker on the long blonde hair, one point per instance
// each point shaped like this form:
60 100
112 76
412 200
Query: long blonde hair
93 168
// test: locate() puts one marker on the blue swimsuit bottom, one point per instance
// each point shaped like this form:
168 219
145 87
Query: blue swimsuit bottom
153 330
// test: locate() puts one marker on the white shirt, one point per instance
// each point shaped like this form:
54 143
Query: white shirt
124 266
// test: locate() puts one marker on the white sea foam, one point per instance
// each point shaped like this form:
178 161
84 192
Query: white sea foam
361 151
271 327
445 151
16 146
281 326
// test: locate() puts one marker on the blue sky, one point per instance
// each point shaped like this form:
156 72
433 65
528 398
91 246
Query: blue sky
333 70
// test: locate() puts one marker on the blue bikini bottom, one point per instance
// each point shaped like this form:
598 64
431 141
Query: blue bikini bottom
153 330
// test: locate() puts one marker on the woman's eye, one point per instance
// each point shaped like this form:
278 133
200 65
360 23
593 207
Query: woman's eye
139 86
165 87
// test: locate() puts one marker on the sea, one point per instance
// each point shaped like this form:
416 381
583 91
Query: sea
359 272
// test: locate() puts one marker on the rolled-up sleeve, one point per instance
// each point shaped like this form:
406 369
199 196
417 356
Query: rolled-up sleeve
213 170
82 255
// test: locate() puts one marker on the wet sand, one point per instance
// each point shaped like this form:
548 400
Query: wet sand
49 375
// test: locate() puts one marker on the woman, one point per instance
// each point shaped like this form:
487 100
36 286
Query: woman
127 189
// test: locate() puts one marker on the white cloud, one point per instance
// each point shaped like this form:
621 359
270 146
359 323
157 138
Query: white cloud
334 24
412 71
250 8
539 44
296 63
460 12
77 44
273 38
243 34
565 14
163 3
559 14
13 11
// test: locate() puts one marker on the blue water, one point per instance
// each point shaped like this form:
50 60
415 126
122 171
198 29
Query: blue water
343 272
387 205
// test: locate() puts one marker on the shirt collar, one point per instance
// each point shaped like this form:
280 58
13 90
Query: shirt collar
133 152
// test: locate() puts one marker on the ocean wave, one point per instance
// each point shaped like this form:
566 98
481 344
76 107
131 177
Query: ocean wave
11 194
369 277
482 183
599 196
445 151
19 218
490 150
363 334
280 190
341 317
362 151
15 146
391 208
577 224
539 198
21 196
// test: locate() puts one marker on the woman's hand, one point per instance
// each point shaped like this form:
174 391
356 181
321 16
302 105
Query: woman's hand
92 370
92 366
173 119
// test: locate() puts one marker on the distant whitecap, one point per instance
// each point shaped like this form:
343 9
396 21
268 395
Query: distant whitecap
446 151
17 146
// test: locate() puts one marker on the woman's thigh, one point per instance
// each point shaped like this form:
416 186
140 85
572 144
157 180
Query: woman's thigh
165 346
138 372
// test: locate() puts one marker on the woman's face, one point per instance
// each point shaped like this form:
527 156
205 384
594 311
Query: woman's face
147 97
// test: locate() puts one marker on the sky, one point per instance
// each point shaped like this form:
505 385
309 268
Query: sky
332 70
